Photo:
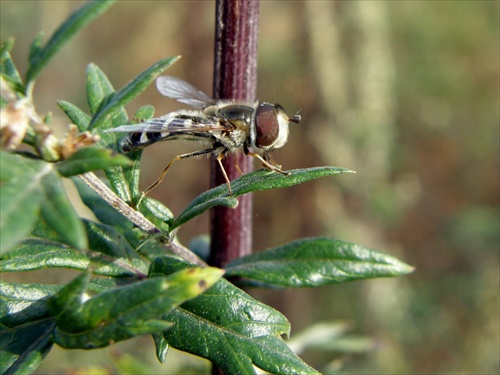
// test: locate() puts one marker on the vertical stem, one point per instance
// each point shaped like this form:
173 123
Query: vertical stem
234 78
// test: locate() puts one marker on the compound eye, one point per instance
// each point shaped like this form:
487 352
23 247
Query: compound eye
267 126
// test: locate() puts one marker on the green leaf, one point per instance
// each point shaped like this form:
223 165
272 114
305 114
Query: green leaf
230 328
99 92
76 22
75 114
20 196
161 347
60 214
203 202
105 213
316 261
144 113
259 180
130 91
108 105
8 69
99 88
36 47
22 303
124 312
265 179
157 212
25 326
33 254
89 159
110 255
111 251
67 302
331 336
6 47
23 348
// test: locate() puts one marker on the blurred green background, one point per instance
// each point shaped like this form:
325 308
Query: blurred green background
405 93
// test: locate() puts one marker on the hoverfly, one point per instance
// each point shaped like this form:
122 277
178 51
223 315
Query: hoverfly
223 126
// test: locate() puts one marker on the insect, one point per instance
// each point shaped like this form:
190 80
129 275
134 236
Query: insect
222 126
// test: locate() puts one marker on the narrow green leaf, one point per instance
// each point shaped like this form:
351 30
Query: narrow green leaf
67 303
118 179
22 303
8 69
144 113
262 179
223 318
318 334
89 159
20 196
76 22
111 255
316 261
331 336
35 48
130 175
25 326
203 203
43 231
99 93
99 88
6 47
161 346
128 311
130 91
75 114
34 254
106 105
265 179
105 213
23 348
60 214
157 212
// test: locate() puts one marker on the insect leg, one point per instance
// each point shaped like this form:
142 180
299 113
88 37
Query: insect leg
238 167
266 160
178 157
219 160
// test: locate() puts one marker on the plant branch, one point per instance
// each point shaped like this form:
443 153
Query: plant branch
136 217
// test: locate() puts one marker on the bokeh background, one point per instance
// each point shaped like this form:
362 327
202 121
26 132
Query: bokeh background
406 93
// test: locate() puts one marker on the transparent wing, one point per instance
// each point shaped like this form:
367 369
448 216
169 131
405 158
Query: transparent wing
176 88
171 124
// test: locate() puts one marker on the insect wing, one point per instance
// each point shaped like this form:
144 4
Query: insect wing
180 90
171 124
137 128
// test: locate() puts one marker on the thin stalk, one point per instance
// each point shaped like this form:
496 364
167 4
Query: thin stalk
235 77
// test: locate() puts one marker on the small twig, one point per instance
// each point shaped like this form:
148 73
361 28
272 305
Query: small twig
139 220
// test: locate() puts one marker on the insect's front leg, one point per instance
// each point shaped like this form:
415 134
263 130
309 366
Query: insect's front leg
268 162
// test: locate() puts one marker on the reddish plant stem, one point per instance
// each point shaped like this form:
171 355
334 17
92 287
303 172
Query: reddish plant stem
235 77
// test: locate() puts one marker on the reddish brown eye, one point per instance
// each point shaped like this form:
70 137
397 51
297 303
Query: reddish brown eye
267 125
